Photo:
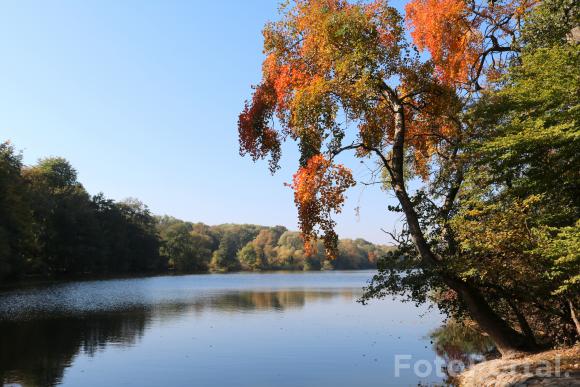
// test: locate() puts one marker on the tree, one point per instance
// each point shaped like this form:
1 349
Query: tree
16 223
520 186
186 250
225 257
328 59
518 219
79 234
250 258
142 241
561 247
356 254
289 251
64 215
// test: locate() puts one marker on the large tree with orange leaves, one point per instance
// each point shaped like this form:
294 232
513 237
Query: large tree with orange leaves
327 60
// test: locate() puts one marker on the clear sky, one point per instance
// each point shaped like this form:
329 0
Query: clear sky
142 97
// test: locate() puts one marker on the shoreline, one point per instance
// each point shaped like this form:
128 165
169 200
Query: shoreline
33 281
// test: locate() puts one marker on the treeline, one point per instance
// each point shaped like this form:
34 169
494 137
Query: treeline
51 227
192 247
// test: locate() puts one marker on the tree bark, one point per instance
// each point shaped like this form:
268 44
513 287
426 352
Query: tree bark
574 317
522 321
508 340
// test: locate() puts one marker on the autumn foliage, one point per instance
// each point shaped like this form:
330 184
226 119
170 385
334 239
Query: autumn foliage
325 58
461 36
444 28
331 66
256 138
318 191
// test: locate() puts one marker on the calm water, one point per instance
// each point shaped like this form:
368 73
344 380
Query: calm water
302 329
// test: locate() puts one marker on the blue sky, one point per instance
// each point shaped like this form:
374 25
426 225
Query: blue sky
142 98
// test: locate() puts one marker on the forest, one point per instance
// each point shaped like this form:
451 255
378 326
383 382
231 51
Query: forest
51 227
469 112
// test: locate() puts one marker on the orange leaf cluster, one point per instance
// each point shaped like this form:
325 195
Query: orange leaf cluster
256 138
319 189
284 78
443 28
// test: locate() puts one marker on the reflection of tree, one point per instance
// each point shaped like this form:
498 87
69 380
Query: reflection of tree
264 300
461 342
35 352
248 301
457 341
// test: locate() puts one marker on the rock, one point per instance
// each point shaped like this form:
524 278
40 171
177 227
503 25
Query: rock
551 368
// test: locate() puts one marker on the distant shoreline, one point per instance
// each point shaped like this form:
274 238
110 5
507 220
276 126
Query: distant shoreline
41 281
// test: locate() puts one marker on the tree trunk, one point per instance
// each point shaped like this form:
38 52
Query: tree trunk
508 340
523 323
574 317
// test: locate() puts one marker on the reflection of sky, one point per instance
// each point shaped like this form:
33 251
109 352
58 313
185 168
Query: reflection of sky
240 330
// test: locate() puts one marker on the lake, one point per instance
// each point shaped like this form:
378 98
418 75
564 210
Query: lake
246 329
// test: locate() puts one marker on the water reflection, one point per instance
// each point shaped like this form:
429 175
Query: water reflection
279 300
36 352
244 330
39 343
461 345
461 342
